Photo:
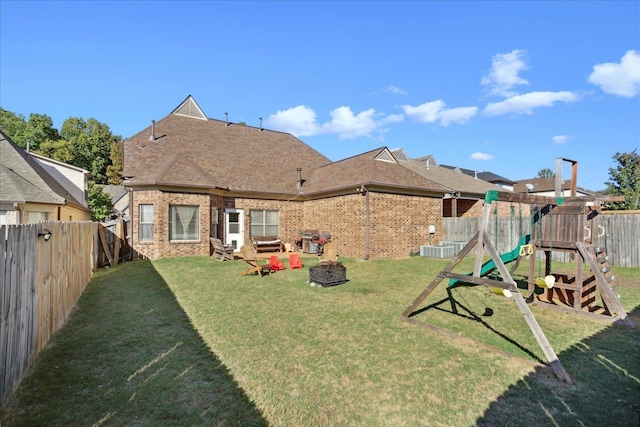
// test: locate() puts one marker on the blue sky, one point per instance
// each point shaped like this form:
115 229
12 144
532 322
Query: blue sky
505 87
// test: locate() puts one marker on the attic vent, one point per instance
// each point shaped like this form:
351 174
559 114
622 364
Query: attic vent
429 161
402 156
189 108
385 156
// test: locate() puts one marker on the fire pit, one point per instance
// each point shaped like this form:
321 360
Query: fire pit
328 273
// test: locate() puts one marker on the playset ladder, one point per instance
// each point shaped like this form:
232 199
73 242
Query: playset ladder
598 262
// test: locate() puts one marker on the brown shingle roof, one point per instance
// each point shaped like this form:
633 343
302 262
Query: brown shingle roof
192 152
210 153
365 169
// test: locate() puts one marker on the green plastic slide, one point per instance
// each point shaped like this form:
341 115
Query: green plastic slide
506 258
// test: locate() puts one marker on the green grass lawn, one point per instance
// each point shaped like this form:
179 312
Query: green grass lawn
189 341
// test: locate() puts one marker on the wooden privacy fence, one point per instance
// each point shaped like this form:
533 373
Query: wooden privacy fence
622 235
40 282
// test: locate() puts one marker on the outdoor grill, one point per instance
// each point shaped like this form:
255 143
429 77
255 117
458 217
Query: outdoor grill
328 273
312 241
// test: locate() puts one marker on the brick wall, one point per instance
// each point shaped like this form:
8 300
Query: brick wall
289 216
398 224
161 246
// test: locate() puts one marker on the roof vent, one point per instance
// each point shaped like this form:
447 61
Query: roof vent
300 180
152 137
226 118
260 123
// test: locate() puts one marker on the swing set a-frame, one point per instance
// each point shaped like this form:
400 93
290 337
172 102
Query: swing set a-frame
557 223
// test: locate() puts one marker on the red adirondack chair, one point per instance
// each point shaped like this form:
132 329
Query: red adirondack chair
275 264
295 261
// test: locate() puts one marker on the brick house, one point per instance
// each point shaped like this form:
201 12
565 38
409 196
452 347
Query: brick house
190 178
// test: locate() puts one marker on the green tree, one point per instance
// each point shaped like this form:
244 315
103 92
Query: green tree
99 202
12 125
546 173
90 145
114 170
59 150
625 181
37 130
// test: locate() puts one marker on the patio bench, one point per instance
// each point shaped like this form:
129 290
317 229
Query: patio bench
267 244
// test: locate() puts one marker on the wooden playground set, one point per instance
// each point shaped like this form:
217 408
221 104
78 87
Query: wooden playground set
566 224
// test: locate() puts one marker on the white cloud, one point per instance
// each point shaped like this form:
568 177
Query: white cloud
621 78
425 113
392 118
298 121
481 156
349 126
457 115
302 121
561 139
431 112
524 104
392 89
503 76
395 90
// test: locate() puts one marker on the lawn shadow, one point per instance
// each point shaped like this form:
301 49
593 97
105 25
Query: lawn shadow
605 371
129 355
461 310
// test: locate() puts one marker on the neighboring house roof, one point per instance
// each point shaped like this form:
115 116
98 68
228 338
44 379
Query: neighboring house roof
485 176
119 198
24 180
377 167
116 192
185 149
453 179
544 185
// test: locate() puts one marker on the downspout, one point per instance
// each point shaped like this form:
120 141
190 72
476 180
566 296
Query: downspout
367 242
366 230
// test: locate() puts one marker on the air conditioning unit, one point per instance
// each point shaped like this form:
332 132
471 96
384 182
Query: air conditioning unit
436 251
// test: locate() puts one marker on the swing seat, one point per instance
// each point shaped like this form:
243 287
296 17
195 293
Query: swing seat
526 250
546 282
502 292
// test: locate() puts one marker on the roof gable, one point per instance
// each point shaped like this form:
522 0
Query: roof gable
400 155
427 161
180 168
190 108
385 156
